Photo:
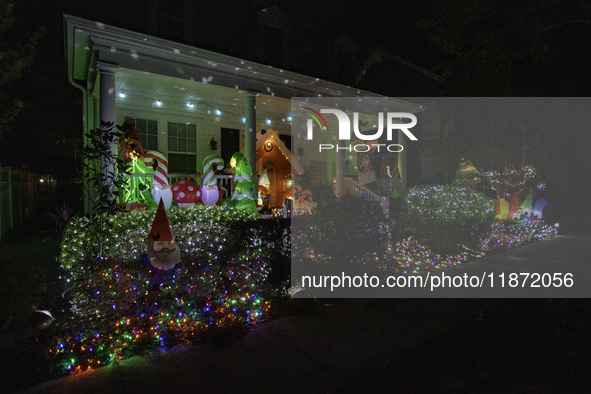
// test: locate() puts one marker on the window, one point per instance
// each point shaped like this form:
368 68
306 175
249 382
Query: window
147 131
182 148
230 143
286 139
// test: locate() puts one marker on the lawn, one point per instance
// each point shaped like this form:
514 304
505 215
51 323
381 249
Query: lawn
30 281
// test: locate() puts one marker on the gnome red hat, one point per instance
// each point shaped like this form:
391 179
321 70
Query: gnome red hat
160 227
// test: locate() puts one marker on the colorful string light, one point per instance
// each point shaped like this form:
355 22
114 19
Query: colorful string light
121 306
510 181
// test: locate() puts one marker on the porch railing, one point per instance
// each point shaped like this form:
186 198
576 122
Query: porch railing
225 181
357 189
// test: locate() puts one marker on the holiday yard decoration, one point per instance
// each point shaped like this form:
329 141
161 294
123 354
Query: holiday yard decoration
163 252
186 193
244 192
160 187
466 175
510 181
138 189
123 304
210 192
509 185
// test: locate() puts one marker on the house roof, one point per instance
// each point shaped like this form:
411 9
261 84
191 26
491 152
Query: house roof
403 76
149 67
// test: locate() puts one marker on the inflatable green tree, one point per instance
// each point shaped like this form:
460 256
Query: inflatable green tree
244 192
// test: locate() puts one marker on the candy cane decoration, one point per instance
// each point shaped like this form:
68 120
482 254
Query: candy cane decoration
208 170
161 171
160 186
209 192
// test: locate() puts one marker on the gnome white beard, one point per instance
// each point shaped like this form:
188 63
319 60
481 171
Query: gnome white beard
210 195
163 255
162 192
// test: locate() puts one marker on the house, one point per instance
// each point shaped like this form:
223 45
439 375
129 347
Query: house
182 98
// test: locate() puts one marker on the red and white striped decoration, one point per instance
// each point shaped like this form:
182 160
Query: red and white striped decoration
161 172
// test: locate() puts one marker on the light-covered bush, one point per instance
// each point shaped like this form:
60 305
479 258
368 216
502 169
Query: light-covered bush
199 231
445 216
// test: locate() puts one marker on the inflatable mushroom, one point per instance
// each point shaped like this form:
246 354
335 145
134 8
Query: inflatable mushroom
186 193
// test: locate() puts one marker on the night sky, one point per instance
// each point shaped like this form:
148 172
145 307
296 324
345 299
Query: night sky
486 48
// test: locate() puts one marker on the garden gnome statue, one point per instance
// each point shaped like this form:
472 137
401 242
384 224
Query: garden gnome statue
162 251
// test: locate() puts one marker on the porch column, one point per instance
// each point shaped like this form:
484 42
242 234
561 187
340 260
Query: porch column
340 169
250 131
107 111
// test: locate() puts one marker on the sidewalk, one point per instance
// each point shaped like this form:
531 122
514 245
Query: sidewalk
561 255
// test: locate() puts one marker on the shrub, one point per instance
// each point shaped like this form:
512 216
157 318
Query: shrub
446 216
200 232
121 306
348 227
531 231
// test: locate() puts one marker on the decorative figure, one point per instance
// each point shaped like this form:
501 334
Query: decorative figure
162 250
244 192
262 198
502 208
209 192
160 187
526 206
306 196
538 209
466 175
514 207
186 193
138 189
213 144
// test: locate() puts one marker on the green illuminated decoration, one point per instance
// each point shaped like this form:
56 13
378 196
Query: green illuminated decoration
243 197
138 188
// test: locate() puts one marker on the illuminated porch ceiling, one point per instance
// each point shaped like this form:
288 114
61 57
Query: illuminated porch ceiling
150 69
148 90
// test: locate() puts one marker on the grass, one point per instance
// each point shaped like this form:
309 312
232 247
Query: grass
29 265
29 273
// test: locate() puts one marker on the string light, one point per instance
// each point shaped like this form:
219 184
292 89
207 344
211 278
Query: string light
121 306
279 212
510 181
